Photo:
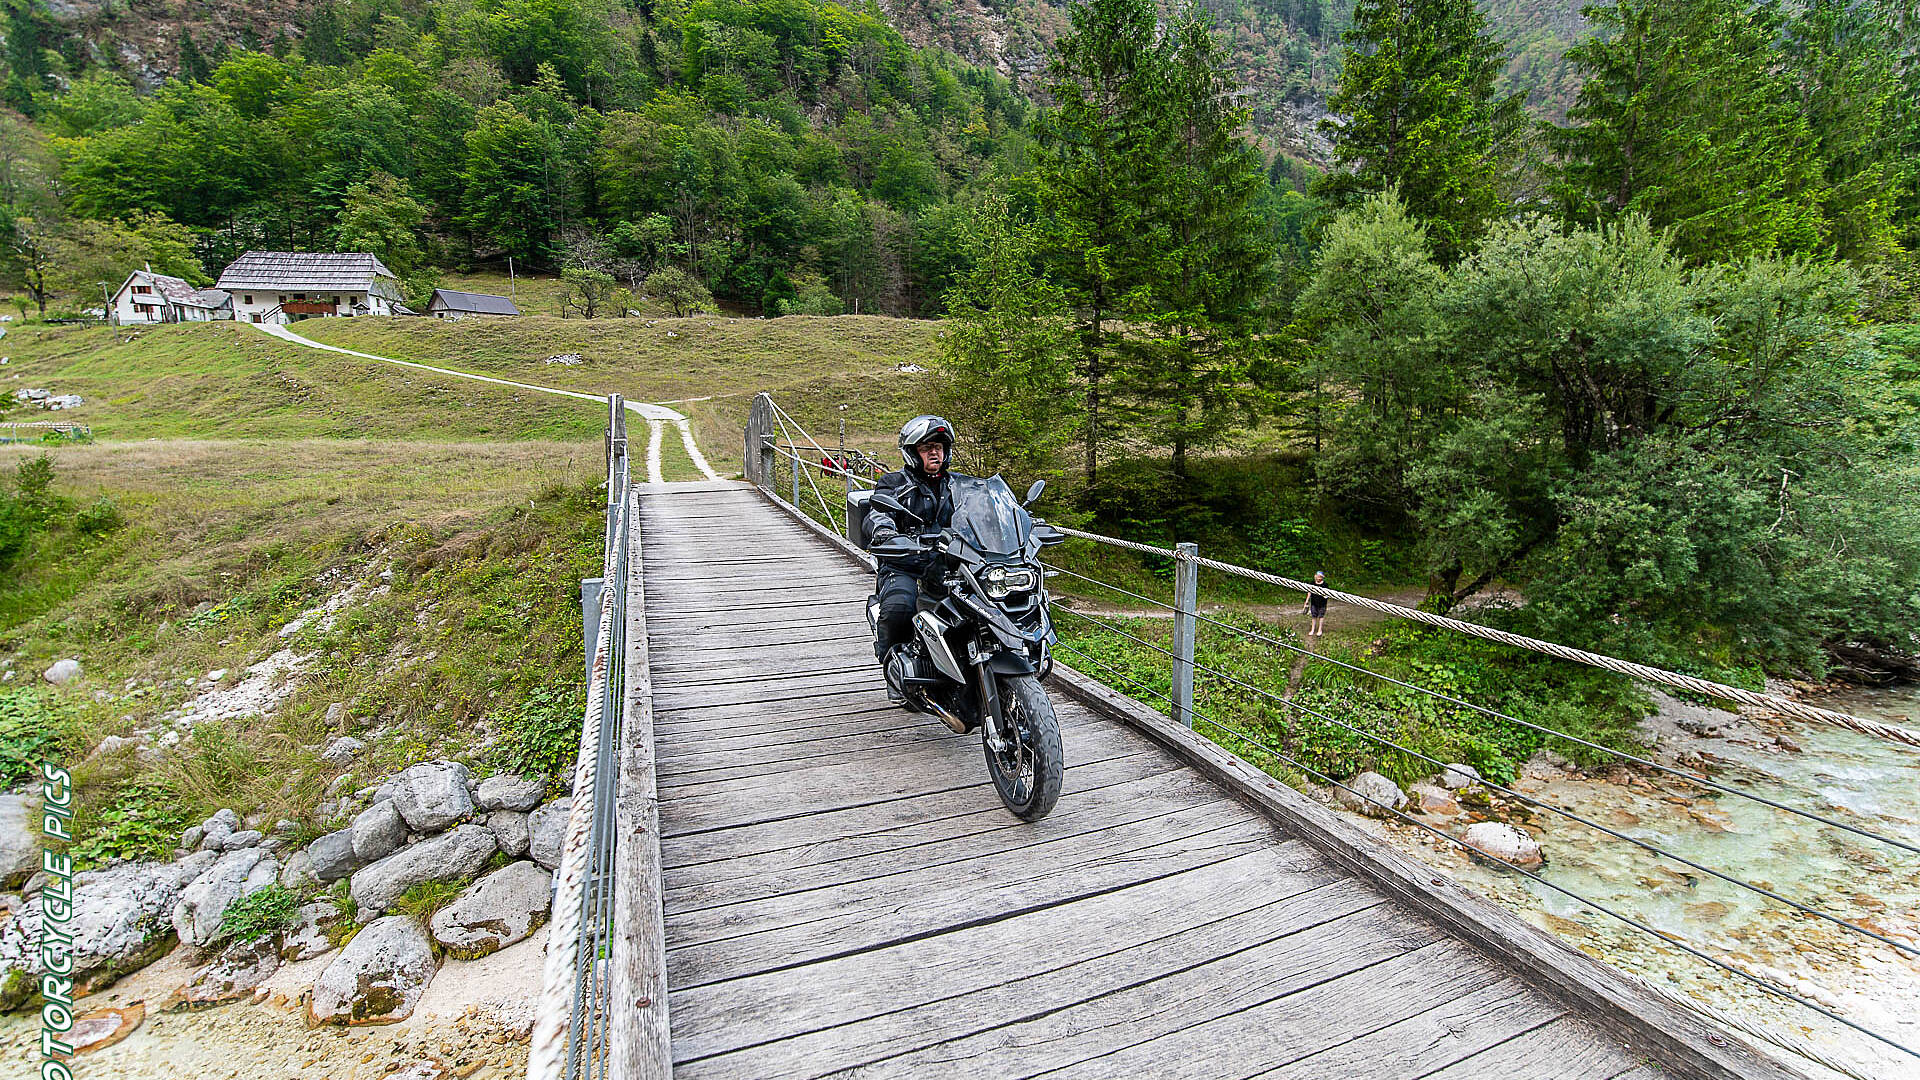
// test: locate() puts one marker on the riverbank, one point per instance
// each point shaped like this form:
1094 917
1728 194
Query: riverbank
1830 771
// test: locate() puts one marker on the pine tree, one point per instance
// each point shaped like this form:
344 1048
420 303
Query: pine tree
1186 377
1092 159
1416 95
193 66
1687 116
1844 63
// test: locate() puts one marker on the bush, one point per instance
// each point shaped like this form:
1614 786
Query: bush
33 728
100 518
542 736
272 910
144 822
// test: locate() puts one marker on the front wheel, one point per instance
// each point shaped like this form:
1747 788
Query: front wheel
1027 773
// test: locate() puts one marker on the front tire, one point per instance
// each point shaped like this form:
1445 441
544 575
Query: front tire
1028 773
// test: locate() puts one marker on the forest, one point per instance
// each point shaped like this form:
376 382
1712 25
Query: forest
1641 338
794 156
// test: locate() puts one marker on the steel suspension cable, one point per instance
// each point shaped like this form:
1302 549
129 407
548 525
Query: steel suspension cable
1563 812
1496 714
1570 815
1690 683
1594 904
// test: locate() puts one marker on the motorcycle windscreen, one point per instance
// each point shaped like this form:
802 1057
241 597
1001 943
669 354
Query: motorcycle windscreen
988 516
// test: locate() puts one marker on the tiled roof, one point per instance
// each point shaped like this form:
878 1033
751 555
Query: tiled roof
477 303
314 271
178 291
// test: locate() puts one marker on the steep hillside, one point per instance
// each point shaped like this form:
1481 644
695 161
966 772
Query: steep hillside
1286 52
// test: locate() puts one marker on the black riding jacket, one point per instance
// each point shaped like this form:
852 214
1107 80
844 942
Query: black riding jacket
930 500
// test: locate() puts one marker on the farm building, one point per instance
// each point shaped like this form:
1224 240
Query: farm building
287 286
452 304
147 297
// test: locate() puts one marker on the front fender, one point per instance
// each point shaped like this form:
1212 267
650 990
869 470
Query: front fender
1007 662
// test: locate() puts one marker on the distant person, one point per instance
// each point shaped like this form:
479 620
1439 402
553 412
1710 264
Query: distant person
1316 606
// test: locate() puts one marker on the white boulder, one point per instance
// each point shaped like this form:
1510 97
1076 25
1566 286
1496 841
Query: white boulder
378 978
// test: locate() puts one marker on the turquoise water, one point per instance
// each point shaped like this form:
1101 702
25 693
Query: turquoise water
1861 780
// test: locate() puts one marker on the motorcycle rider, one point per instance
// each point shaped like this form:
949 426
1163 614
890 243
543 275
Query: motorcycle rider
923 486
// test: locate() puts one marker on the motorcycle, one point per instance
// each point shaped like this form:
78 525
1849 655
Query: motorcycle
982 637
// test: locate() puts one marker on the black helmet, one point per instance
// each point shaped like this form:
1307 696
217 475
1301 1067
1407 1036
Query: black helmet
924 429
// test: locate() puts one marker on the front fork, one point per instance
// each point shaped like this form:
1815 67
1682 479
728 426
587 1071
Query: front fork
992 718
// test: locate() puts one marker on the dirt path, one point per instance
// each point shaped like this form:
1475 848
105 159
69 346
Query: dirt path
656 416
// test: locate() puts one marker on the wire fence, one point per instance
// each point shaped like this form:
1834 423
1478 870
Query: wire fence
795 466
574 1020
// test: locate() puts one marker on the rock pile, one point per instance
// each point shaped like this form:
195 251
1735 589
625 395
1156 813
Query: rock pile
431 823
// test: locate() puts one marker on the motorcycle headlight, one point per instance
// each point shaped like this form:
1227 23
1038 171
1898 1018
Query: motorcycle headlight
1002 580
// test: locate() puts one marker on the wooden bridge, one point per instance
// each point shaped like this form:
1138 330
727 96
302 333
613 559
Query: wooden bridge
842 894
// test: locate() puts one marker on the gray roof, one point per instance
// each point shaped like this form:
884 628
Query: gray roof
178 291
478 303
314 271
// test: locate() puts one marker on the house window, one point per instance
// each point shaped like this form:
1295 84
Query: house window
249 299
143 289
299 296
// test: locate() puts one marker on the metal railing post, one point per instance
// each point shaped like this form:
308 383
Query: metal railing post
796 478
1186 603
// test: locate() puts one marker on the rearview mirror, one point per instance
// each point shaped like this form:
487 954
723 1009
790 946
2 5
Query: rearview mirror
1033 493
888 502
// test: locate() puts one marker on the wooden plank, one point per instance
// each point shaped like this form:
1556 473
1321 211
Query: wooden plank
641 1028
928 756
1019 1010
695 730
978 835
775 666
1442 1036
723 943
1565 1048
874 823
1275 1027
909 731
847 784
759 696
740 1013
1151 1003
1687 1043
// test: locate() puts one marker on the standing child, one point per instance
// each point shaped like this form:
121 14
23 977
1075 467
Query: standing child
1317 607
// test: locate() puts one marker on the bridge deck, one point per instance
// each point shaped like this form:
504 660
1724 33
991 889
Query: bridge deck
844 896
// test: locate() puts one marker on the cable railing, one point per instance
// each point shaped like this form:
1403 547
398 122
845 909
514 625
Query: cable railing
787 461
583 1028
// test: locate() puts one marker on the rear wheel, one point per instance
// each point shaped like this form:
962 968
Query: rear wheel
1027 773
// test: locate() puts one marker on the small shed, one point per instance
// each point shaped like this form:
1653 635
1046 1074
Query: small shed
452 304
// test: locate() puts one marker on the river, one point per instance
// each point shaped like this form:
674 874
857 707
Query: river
1863 781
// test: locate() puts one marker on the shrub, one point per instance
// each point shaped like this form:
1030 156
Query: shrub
272 910
33 728
542 736
99 518
144 822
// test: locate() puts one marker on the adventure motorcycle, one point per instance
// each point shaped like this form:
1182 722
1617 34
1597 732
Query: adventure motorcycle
982 636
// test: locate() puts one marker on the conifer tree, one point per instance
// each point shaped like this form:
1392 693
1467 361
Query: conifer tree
1419 115
1687 116
1093 157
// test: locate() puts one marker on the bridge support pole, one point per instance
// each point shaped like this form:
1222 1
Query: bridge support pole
759 458
1186 603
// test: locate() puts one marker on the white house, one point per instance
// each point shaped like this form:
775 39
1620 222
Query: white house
147 297
287 286
452 304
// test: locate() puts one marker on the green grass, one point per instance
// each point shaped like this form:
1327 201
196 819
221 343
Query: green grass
228 380
1317 731
225 542
708 367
